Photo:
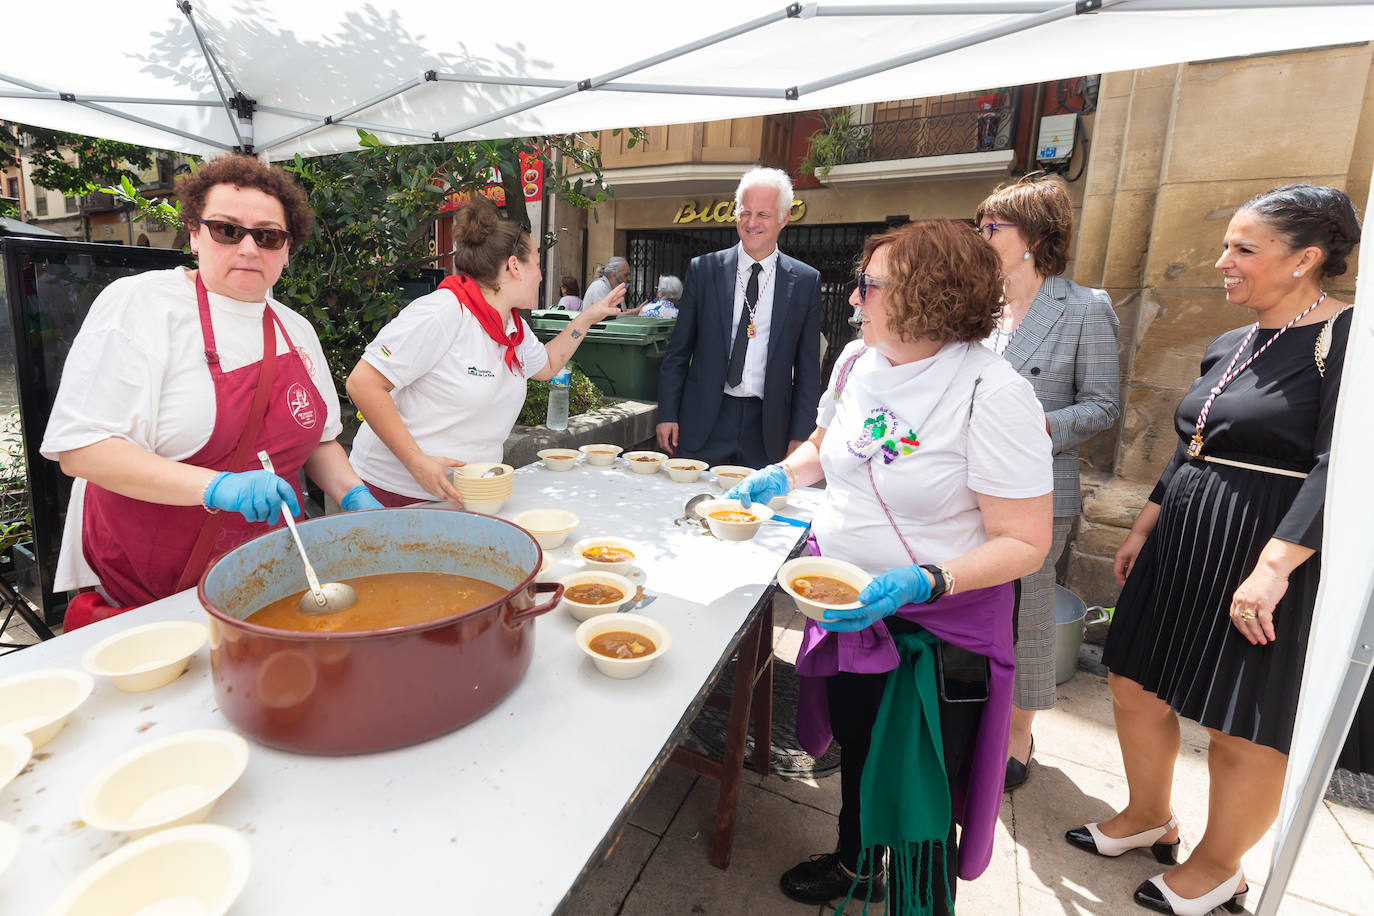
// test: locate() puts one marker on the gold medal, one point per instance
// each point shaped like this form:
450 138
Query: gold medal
752 333
1195 445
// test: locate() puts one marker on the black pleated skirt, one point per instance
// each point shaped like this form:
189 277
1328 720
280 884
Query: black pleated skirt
1172 631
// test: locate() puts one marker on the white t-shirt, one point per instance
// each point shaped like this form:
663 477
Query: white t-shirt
1000 449
451 387
137 371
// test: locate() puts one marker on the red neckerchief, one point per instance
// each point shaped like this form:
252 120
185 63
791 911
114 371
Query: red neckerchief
470 297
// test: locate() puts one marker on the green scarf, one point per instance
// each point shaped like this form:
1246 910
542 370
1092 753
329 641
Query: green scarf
904 792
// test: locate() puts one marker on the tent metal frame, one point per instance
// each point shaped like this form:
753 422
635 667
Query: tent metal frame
240 107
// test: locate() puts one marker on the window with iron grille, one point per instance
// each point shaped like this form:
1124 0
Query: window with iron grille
832 250
12 187
40 204
72 204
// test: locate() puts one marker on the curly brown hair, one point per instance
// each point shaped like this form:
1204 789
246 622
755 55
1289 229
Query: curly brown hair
1039 206
944 281
245 172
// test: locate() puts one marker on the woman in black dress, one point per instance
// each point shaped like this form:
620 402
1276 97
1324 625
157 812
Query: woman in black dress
1220 569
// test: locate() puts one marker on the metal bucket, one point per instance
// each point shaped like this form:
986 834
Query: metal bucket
1070 617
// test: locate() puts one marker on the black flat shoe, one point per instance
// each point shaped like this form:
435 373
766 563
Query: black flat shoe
1018 772
1155 895
821 879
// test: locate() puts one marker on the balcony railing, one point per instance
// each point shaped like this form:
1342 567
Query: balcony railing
972 131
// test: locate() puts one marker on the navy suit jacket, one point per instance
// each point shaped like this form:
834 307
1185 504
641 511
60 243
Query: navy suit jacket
692 379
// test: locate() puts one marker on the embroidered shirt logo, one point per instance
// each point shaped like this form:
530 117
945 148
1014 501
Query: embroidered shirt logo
884 434
481 373
305 360
302 407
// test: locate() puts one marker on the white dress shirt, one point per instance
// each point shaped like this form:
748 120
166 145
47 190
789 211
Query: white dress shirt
756 357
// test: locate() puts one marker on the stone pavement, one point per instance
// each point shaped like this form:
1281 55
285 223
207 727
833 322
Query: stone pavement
659 866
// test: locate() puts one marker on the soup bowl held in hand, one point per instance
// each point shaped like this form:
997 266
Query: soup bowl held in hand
646 639
730 521
800 576
589 593
607 554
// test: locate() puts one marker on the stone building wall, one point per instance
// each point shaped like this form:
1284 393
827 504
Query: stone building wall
1175 150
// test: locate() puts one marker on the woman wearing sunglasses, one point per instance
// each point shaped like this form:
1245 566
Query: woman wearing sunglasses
1060 337
938 480
442 384
175 382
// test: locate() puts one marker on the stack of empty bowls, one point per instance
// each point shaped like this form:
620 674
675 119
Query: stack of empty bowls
482 493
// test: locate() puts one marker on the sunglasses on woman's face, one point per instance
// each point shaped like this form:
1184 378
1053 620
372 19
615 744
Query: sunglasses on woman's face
865 283
232 233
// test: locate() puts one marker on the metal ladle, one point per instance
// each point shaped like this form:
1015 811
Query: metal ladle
321 599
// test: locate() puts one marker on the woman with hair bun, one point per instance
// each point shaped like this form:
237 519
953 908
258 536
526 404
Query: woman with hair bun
1220 569
442 384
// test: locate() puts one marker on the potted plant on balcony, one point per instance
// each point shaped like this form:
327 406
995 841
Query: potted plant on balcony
840 140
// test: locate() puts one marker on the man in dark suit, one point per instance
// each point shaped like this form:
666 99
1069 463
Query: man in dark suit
741 378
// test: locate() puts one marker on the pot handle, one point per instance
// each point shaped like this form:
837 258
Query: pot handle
532 612
1102 615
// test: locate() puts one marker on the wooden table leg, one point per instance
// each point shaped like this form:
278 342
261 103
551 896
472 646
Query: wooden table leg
736 735
763 695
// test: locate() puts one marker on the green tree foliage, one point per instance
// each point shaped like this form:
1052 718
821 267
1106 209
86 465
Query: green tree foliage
583 397
74 164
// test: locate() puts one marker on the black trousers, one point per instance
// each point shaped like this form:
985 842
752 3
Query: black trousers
854 700
737 437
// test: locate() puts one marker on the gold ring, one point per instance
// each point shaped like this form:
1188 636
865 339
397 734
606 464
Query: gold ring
1247 616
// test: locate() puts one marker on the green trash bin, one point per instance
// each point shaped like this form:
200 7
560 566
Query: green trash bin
622 355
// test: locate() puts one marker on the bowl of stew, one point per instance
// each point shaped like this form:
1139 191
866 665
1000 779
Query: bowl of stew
727 475
591 592
730 521
558 459
607 554
645 462
623 645
818 584
685 470
601 454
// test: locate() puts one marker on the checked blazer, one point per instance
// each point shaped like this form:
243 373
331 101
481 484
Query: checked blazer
1066 348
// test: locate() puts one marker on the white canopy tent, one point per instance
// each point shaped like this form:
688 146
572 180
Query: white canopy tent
211 75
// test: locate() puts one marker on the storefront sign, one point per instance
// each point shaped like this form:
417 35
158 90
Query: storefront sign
723 211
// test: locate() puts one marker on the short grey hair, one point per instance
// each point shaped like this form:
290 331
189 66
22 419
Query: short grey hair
761 177
671 287
614 267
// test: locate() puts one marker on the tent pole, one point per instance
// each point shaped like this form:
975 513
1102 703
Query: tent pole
211 65
328 120
121 99
1347 701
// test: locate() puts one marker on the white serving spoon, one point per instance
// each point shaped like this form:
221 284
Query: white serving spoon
321 599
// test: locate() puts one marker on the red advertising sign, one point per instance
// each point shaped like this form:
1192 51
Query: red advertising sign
531 179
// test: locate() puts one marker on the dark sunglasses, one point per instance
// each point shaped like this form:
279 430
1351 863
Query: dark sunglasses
865 282
988 230
524 231
232 234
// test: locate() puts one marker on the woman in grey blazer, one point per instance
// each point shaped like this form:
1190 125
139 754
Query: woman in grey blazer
1061 337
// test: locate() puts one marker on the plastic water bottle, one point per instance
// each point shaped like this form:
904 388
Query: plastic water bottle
557 417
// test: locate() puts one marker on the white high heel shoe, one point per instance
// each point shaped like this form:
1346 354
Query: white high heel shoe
1154 894
1092 839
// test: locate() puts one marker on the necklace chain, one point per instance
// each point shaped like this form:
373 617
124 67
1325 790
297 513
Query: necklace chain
1227 377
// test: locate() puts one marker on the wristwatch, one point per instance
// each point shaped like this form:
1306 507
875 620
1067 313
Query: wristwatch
942 581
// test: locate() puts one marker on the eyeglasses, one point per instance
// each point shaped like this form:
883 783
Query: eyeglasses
232 234
988 230
524 231
865 283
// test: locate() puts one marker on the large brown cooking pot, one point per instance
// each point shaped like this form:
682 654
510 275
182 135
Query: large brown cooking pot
349 693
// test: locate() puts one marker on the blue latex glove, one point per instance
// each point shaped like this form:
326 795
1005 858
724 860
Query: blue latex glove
881 598
760 486
360 497
256 495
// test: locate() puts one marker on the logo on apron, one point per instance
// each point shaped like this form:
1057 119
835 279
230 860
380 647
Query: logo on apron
301 406
305 361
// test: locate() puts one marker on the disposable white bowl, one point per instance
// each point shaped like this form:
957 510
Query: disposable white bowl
197 870
473 471
550 527
685 470
733 531
485 506
165 783
619 566
9 844
633 623
601 454
727 475
587 611
472 487
15 751
778 502
558 459
37 704
645 462
147 656
821 566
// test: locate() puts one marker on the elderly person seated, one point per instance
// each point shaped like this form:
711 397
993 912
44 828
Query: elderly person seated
669 291
938 484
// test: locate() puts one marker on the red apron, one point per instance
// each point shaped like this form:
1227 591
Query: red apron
140 550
